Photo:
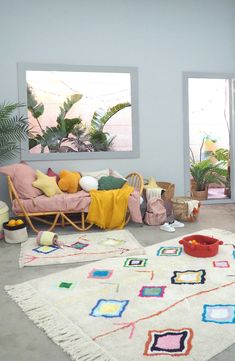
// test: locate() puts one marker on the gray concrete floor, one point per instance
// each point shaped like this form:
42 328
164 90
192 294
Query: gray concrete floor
21 340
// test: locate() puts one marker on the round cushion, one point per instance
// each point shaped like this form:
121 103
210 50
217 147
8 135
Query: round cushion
88 183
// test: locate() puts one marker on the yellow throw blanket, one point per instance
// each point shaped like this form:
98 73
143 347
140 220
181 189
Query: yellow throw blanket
108 208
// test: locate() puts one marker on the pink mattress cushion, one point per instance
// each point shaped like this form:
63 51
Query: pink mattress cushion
22 176
72 202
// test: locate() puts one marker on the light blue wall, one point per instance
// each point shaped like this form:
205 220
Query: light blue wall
163 38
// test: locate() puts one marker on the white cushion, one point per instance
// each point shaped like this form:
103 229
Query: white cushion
96 174
88 183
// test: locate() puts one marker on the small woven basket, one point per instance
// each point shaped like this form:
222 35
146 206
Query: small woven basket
180 209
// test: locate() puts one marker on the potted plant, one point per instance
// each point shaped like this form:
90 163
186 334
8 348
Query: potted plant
222 154
204 173
13 128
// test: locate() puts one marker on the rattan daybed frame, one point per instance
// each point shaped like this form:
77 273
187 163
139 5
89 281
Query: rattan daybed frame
62 218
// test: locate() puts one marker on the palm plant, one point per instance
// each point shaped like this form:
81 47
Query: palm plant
205 172
13 129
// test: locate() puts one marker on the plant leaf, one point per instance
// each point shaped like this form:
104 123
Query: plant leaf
67 105
100 117
36 109
13 128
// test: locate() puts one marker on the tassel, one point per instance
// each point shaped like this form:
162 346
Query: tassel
72 340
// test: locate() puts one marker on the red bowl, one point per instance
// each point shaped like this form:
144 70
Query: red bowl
204 247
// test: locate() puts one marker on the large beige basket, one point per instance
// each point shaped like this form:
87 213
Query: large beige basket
169 190
180 209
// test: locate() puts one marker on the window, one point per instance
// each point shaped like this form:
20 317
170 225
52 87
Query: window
208 150
79 112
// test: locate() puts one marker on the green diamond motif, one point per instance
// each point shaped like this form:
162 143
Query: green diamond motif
65 285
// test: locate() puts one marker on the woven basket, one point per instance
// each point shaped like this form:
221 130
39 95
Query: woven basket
170 190
180 209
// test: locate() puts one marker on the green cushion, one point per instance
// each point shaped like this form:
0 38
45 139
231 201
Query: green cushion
110 182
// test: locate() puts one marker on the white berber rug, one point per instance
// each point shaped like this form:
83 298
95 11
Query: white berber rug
161 305
85 247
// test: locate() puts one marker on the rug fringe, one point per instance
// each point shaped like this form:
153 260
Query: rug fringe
60 329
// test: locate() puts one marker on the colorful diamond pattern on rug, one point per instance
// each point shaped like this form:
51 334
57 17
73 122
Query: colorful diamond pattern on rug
169 251
100 273
219 313
135 262
79 245
112 242
190 277
169 342
109 308
45 249
221 264
65 284
152 291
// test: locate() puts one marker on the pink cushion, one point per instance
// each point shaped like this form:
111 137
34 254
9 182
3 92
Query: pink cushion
51 173
22 176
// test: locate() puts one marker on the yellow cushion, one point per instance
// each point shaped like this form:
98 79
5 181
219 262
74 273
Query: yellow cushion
46 184
69 181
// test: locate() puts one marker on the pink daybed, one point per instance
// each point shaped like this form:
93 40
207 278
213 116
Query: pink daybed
69 208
